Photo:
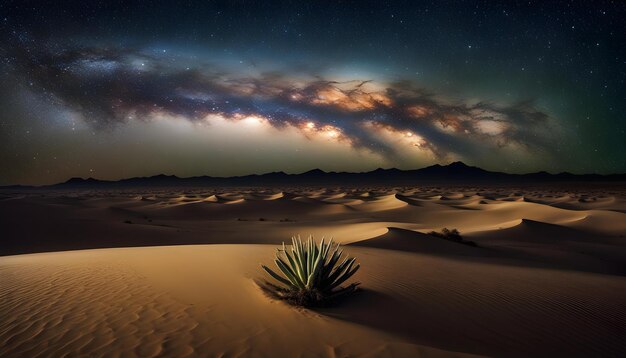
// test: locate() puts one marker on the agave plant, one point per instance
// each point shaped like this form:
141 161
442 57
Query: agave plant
311 273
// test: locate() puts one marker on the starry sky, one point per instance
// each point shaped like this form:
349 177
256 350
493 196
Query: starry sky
116 89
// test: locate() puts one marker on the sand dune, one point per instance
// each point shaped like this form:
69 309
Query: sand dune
134 302
547 277
201 300
381 203
412 241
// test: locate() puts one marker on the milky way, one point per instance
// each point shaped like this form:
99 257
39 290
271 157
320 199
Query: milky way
108 86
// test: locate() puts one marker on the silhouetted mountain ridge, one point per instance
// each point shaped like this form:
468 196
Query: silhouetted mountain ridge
457 172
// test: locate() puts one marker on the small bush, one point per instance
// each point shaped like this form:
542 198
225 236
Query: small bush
452 235
311 274
448 234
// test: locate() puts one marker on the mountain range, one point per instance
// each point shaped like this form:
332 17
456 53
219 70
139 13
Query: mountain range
456 172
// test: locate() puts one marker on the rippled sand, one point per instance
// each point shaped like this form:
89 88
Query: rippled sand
546 277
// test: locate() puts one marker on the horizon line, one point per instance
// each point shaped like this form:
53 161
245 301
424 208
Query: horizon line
304 172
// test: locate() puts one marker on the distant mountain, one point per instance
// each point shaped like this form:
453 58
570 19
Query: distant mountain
457 172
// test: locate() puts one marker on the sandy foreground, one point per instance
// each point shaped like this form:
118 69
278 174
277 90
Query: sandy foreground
547 276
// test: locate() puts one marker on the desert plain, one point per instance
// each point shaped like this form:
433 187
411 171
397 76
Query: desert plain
172 271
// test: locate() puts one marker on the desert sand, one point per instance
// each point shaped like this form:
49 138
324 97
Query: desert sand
100 273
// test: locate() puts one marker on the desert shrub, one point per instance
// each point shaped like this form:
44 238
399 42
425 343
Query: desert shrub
311 274
448 234
452 235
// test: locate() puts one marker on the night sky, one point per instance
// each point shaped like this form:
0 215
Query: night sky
123 89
